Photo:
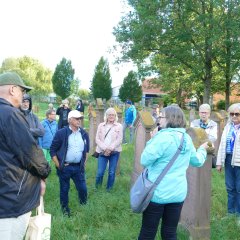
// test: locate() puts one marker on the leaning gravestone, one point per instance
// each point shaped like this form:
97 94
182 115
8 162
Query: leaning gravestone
99 111
224 114
143 126
119 114
217 117
192 116
195 214
92 129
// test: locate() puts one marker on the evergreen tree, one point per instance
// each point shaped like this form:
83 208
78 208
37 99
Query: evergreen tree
131 89
101 82
63 78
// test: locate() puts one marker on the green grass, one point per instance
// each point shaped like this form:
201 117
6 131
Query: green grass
108 215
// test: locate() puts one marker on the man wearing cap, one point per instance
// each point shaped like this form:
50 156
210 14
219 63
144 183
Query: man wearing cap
23 168
63 112
69 153
130 116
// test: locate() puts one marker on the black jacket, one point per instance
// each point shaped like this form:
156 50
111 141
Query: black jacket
36 127
22 164
63 120
60 145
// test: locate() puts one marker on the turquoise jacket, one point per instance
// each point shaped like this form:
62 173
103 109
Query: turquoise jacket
159 151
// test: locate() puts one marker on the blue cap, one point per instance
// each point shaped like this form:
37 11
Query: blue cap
129 102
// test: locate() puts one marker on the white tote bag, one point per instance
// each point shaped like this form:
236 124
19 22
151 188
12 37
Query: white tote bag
39 227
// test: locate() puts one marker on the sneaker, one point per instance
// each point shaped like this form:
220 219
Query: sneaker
124 143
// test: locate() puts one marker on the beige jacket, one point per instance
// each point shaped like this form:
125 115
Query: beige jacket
116 133
222 148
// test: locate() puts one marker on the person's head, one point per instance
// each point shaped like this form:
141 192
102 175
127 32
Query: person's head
110 116
234 113
128 103
65 103
79 101
50 106
74 119
26 102
204 112
12 88
172 117
51 115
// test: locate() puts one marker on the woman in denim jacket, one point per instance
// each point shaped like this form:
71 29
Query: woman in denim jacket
108 140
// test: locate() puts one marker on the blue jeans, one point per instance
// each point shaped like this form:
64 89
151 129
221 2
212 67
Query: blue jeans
131 131
232 182
170 214
102 164
77 174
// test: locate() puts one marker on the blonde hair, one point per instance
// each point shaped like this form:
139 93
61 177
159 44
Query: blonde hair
107 112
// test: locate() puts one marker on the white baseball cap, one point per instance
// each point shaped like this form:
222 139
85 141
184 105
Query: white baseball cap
75 114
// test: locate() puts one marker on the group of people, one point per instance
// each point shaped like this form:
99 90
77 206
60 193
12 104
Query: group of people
27 146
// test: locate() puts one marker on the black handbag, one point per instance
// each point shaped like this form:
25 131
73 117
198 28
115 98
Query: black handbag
95 154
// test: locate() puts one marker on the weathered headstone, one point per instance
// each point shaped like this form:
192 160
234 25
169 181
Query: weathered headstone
192 115
119 113
217 117
92 129
224 115
195 214
143 126
99 111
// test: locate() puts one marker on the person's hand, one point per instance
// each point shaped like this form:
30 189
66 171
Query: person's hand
107 152
43 187
130 126
205 145
219 168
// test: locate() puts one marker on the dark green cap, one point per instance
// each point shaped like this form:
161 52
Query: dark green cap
12 78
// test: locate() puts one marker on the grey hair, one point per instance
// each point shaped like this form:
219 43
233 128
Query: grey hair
175 117
205 106
49 111
107 112
234 106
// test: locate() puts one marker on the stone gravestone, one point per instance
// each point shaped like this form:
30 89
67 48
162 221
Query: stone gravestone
224 115
99 111
92 129
192 115
119 114
216 117
195 214
143 126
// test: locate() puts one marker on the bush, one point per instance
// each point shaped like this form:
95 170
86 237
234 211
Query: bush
221 105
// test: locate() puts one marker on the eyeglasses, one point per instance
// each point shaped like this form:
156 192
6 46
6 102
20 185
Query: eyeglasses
22 89
204 112
234 114
161 117
78 118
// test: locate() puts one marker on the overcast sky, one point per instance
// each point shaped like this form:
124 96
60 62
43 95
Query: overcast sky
47 30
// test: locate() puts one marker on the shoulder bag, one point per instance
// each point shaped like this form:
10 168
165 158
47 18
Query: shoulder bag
96 154
142 190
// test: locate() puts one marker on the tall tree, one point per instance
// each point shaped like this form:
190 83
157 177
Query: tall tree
101 82
63 78
182 32
32 71
131 88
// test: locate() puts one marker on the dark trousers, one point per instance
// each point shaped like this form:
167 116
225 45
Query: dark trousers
170 214
102 164
232 182
78 177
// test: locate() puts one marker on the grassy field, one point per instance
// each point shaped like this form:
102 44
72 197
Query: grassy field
108 216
